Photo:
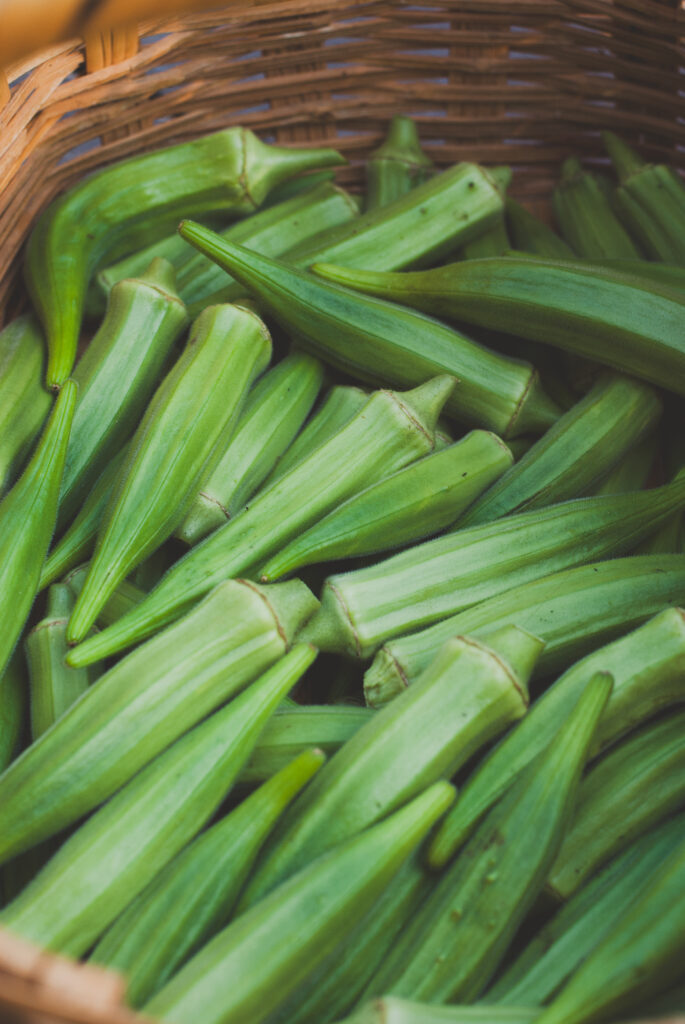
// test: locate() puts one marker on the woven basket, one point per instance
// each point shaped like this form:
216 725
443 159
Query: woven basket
525 83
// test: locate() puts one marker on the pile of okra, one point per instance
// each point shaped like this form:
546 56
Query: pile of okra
342 673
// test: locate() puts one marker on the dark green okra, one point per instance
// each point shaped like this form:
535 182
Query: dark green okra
465 698
529 234
174 447
397 166
460 935
590 914
191 899
13 690
145 702
418 501
24 402
586 218
379 342
640 957
248 970
294 729
391 430
572 611
274 411
648 668
120 848
637 784
27 521
127 204
363 608
391 1010
575 453
117 376
618 319
296 186
634 469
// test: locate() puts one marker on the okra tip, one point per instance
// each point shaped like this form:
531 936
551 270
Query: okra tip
625 160
427 401
519 649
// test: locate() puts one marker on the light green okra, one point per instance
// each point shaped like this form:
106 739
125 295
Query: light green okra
132 202
458 938
174 447
363 608
125 597
397 166
637 784
391 430
391 1010
529 234
574 454
465 698
586 218
648 668
112 857
24 402
27 521
414 503
273 413
191 899
253 966
144 703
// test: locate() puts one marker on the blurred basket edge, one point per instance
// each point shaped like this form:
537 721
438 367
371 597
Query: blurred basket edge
524 83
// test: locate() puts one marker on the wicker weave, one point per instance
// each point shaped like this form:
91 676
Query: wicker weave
526 83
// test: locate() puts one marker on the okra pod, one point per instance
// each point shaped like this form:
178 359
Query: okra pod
397 166
125 597
529 234
391 430
391 1010
27 521
408 591
293 730
633 470
252 966
572 611
465 698
24 402
144 703
173 448
111 858
647 667
618 319
379 342
416 502
639 783
575 453
13 689
273 413
589 915
297 186
117 376
54 685
586 218
458 938
128 203
191 899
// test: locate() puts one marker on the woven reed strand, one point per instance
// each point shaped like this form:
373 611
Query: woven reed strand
525 83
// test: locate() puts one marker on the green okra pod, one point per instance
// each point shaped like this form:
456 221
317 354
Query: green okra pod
391 430
380 342
191 899
274 411
13 690
647 666
586 218
127 204
457 940
103 866
391 1010
27 521
416 502
117 376
297 186
408 591
24 402
641 956
173 448
54 685
590 914
529 234
252 966
292 730
465 698
125 597
144 703
397 166
618 319
574 454
572 611
637 784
